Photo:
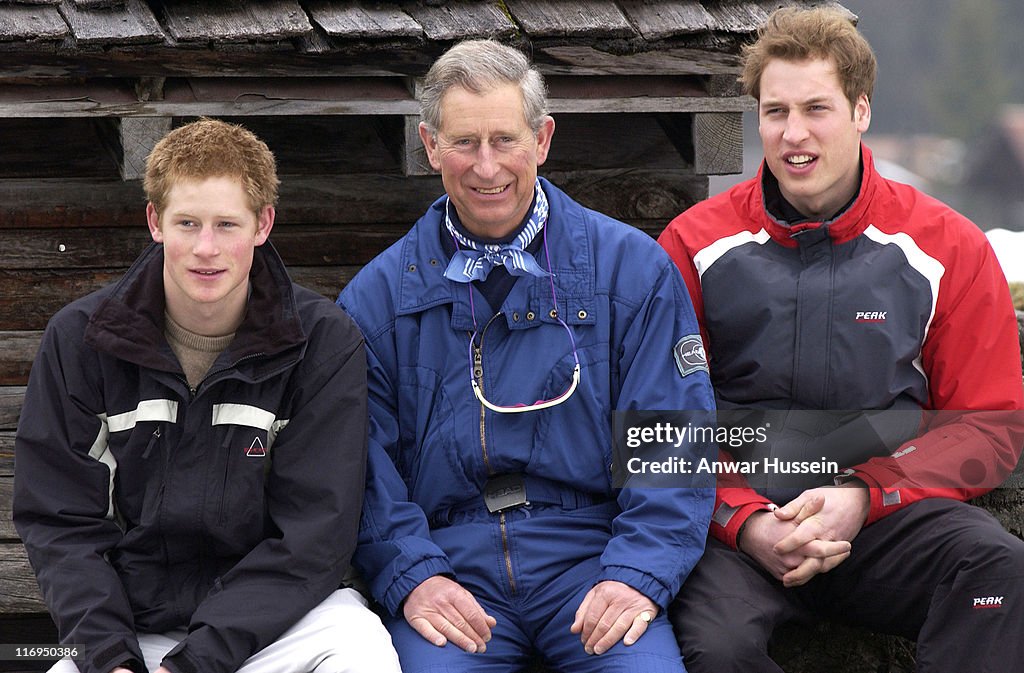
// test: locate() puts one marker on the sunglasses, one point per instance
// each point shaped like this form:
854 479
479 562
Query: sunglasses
538 404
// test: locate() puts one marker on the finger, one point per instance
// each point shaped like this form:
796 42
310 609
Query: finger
469 617
609 629
457 628
832 561
423 627
638 627
581 611
804 533
803 573
801 508
824 549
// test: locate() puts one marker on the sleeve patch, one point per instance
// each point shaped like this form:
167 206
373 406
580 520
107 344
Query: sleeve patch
689 355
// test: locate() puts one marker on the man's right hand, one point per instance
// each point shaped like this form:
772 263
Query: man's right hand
764 529
441 611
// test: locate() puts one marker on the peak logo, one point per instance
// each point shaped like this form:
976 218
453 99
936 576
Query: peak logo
870 316
983 602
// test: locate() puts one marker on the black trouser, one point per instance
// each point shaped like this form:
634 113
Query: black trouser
941 572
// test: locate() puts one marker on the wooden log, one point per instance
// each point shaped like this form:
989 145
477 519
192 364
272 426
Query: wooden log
11 399
6 453
7 531
414 155
17 352
586 60
138 136
718 143
360 20
111 22
552 18
19 592
235 21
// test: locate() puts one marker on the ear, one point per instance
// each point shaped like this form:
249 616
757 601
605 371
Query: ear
264 223
430 145
862 114
544 135
153 220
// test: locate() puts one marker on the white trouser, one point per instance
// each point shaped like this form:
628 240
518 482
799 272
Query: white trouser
341 635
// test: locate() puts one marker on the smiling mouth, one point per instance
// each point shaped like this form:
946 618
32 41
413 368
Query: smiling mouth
492 190
800 160
206 273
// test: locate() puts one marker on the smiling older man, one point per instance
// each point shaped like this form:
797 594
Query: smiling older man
502 332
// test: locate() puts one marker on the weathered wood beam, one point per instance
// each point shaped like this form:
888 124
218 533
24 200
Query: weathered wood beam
586 60
718 143
7 531
18 589
17 351
6 452
11 398
414 155
130 140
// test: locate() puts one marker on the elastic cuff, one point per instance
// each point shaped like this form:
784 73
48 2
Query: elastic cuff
646 584
729 532
403 586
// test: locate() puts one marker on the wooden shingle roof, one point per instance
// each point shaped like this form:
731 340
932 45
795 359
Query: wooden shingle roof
72 36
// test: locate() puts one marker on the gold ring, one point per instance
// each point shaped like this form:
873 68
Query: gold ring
645 617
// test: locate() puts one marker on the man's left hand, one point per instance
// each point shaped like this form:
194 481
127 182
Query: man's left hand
841 517
610 612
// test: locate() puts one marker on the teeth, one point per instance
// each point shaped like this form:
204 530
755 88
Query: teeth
800 159
496 190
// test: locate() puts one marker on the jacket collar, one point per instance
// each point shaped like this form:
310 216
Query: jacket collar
423 286
129 321
848 225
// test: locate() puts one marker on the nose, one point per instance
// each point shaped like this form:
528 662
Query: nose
205 242
796 129
486 164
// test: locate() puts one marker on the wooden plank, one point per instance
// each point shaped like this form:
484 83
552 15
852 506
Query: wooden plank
131 23
235 20
17 351
583 18
29 2
6 452
11 398
25 23
661 19
414 155
353 19
19 592
585 60
7 531
718 143
461 19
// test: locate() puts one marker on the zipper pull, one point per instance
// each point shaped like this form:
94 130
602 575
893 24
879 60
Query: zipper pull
152 442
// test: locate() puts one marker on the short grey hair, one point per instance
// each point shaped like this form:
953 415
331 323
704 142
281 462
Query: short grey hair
479 66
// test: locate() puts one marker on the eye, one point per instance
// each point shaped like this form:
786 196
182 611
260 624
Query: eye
772 111
186 223
226 224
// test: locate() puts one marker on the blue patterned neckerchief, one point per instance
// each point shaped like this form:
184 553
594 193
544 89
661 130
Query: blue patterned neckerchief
473 260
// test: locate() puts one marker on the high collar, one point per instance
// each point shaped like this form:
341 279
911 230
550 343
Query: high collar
129 322
423 285
849 224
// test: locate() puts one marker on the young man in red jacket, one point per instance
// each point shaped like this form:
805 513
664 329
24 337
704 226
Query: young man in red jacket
819 286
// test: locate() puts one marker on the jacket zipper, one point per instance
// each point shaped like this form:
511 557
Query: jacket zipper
478 374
